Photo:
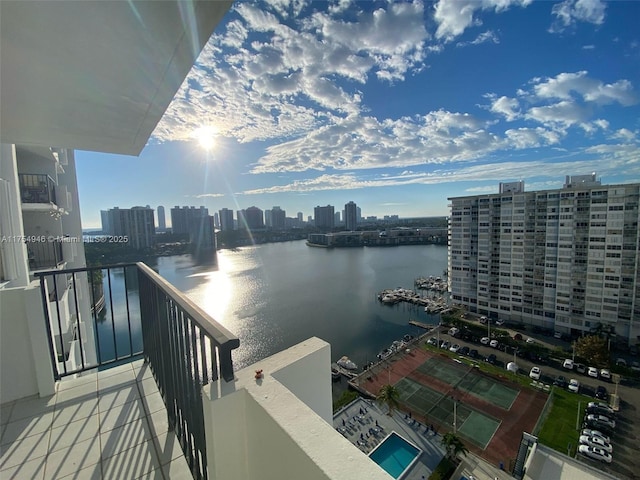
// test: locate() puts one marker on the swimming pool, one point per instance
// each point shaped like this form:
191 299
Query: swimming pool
395 455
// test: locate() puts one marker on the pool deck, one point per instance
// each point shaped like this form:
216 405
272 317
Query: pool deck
361 415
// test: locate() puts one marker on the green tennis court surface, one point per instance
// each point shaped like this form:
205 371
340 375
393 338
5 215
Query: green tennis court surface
464 378
471 424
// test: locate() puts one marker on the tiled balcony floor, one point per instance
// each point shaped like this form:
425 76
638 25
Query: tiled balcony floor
104 425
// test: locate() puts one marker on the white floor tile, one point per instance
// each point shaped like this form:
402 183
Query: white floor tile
78 380
168 447
154 403
94 472
31 407
132 463
72 459
177 470
16 431
79 393
118 397
124 437
159 423
74 432
116 381
33 470
68 412
30 448
121 415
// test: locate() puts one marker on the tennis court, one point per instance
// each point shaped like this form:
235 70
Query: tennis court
475 426
462 377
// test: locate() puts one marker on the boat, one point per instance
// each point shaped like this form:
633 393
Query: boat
345 362
335 374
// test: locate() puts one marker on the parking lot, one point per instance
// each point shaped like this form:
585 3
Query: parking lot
626 436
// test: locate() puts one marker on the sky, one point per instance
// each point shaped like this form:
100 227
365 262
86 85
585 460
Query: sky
393 105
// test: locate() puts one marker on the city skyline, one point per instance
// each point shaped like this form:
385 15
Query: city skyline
433 100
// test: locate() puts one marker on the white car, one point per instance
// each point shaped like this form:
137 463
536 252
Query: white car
499 323
596 442
604 420
595 453
574 385
592 372
530 340
535 373
454 348
595 433
604 373
494 343
568 364
485 340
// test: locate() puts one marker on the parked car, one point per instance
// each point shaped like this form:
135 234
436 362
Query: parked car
596 442
464 351
560 381
599 426
574 385
530 340
592 417
454 348
602 406
621 362
473 353
568 364
606 374
492 359
499 323
595 433
483 320
535 373
592 372
580 368
597 411
494 343
485 340
601 393
446 344
595 453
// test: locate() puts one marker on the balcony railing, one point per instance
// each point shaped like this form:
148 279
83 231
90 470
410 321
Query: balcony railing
46 254
146 316
37 188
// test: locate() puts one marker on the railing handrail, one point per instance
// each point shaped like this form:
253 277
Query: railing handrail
221 336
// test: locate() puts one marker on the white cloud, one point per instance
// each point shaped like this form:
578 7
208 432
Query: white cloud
454 16
626 134
559 115
485 37
590 89
507 107
569 12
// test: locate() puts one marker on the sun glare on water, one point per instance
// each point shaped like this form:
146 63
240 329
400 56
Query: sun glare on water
206 136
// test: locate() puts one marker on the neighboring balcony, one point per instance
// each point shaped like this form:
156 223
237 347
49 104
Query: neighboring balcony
44 254
37 188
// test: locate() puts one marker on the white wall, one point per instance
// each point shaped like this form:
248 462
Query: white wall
25 366
279 427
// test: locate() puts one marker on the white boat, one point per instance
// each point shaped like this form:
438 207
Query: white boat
344 362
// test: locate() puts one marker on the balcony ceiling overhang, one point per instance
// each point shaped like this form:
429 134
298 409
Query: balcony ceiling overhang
96 75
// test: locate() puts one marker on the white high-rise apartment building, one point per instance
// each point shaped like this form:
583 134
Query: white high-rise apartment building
565 259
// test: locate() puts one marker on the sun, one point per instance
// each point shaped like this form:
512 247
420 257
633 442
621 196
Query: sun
206 136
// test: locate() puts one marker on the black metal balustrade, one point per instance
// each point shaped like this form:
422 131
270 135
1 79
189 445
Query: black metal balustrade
44 254
136 313
37 188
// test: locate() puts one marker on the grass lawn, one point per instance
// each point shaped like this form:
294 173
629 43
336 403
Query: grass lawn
559 428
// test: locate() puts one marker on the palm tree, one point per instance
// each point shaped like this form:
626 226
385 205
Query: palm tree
454 446
389 396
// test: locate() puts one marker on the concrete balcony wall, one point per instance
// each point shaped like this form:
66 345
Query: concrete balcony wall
278 427
25 366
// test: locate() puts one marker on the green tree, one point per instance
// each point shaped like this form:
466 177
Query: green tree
389 396
593 349
453 445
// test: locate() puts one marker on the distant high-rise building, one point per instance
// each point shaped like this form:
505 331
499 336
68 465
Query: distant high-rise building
300 218
564 259
351 216
324 217
241 220
336 218
195 222
267 219
278 218
104 218
216 220
162 224
136 223
254 218
226 219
